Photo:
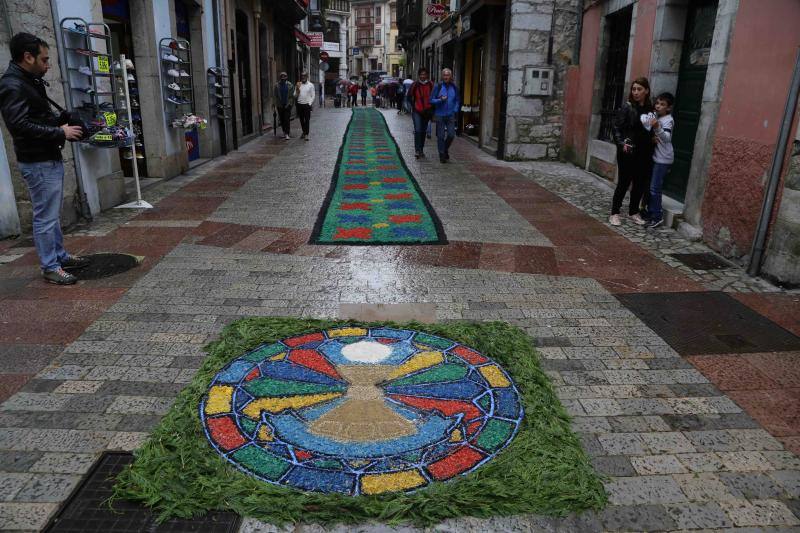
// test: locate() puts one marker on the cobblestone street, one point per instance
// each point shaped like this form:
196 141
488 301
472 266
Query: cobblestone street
683 382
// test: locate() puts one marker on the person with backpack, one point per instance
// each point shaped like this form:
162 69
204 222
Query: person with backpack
445 100
364 89
283 96
419 95
39 135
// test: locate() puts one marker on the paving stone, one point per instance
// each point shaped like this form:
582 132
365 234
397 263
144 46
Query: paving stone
141 405
26 516
636 518
641 424
745 461
47 488
759 513
644 490
621 443
127 441
11 484
701 462
251 525
789 480
88 403
137 423
17 461
667 442
64 463
699 516
752 485
657 464
613 465
782 460
41 385
78 387
705 487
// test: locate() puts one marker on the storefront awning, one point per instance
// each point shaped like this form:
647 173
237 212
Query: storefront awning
301 37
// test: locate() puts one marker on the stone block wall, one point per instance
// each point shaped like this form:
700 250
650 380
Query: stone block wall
534 124
783 250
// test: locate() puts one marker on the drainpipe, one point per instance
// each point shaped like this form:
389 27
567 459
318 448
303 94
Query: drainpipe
757 251
257 35
501 141
576 57
82 202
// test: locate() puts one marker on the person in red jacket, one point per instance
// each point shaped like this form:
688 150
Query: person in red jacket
352 91
421 109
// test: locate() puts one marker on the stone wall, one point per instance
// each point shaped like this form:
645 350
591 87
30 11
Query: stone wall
783 250
534 124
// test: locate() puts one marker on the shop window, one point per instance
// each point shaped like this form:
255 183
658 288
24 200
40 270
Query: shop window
332 32
619 33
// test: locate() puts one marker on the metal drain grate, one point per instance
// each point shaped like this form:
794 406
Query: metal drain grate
88 511
105 265
696 323
702 261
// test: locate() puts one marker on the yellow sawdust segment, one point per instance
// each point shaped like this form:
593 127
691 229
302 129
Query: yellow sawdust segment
494 376
278 357
265 434
380 225
392 482
219 400
276 405
374 182
347 332
456 436
377 200
418 362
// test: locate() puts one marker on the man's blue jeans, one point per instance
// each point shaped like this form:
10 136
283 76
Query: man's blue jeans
660 171
445 133
421 125
45 182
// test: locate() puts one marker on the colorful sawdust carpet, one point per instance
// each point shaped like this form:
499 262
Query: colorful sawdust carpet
360 411
373 198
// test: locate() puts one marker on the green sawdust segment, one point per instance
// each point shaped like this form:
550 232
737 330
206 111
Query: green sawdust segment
248 425
433 342
255 459
543 470
494 434
281 387
446 372
485 402
263 353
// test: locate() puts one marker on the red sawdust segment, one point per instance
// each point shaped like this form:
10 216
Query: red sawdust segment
470 356
294 342
401 196
394 180
353 233
459 461
253 374
352 186
405 219
302 455
356 205
315 361
225 433
446 407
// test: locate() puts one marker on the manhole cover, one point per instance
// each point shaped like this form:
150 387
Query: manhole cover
87 510
105 265
361 411
702 261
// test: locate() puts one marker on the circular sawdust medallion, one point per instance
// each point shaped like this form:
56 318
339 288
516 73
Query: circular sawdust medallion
105 266
360 411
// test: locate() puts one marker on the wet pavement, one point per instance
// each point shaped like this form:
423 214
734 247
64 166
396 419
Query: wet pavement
695 422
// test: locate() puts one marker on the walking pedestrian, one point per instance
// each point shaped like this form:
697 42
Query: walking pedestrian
364 89
662 125
39 135
634 151
407 83
353 92
444 98
419 97
305 98
399 98
283 96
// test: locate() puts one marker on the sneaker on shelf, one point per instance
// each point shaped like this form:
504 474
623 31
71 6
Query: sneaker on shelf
174 100
615 220
85 52
215 71
134 102
174 73
185 74
171 58
87 90
177 45
106 106
131 77
127 154
638 220
218 86
129 64
287 137
174 86
139 155
86 71
655 223
182 46
59 277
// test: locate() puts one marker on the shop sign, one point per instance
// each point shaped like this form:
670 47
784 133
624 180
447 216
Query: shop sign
102 64
332 47
315 39
356 51
466 23
436 10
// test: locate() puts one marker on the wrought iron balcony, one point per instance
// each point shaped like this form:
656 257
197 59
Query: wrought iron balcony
365 21
342 6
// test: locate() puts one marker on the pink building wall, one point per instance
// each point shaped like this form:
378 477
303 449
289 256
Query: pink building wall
763 50
643 38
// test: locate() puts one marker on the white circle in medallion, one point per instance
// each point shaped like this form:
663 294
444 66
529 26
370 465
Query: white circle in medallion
366 352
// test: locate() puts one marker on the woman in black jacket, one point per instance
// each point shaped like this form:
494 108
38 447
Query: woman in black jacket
634 151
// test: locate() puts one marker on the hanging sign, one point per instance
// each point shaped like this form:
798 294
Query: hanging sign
315 39
110 118
102 64
436 10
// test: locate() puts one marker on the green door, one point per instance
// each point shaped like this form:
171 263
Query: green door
689 96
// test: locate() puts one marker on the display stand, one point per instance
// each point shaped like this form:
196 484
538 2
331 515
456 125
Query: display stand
219 88
139 203
178 90
93 91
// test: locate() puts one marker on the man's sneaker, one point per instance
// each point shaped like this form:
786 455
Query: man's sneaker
655 223
174 86
442 159
59 277
75 261
417 155
287 137
171 58
638 220
614 220
174 73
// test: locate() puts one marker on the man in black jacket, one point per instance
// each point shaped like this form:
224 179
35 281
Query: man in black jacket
39 134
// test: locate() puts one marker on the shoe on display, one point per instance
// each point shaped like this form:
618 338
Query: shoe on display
171 58
174 100
185 74
139 155
174 73
86 71
87 90
174 86
215 71
638 220
287 137
134 102
655 223
129 64
127 154
218 86
59 277
615 220
130 77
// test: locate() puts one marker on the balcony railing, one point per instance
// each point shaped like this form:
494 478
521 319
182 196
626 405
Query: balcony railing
365 21
338 5
365 41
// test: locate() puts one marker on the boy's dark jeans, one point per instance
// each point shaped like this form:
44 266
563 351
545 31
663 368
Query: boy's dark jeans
660 171
420 129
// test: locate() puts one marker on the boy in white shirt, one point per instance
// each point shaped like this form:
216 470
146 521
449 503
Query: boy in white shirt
305 95
662 124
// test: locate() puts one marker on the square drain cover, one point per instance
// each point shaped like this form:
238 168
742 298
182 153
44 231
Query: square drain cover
87 510
695 323
704 261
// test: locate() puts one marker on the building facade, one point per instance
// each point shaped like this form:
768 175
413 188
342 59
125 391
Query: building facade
370 30
731 84
231 53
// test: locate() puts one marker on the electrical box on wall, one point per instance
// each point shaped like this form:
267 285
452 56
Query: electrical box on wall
538 81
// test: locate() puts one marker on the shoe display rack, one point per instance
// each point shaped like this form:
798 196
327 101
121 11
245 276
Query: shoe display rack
176 76
219 90
131 118
92 85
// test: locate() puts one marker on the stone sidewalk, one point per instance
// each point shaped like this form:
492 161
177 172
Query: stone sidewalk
229 241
